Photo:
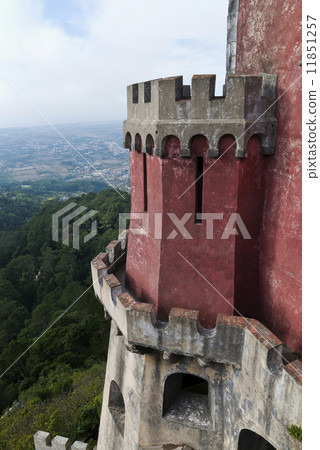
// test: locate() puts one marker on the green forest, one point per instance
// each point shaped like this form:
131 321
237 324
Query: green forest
57 385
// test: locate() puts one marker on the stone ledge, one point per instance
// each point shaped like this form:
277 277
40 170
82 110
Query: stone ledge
183 334
294 369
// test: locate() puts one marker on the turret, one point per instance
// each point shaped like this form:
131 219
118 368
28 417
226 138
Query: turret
163 107
197 173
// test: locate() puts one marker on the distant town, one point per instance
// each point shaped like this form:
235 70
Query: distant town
40 153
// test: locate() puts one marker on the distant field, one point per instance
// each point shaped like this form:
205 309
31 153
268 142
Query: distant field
32 154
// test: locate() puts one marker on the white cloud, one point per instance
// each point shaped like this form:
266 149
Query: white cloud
73 78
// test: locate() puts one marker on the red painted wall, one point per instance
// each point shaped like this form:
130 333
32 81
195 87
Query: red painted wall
269 40
180 285
156 270
261 277
143 259
251 196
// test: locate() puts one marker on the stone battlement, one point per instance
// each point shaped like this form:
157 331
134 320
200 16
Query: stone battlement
164 107
183 334
112 259
42 441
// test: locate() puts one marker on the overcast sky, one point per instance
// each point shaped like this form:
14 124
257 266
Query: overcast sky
72 59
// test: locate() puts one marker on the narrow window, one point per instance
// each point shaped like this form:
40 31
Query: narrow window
135 93
145 183
147 92
116 406
199 188
127 142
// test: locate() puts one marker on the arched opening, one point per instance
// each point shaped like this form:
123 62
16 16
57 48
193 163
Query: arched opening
254 143
170 147
186 400
227 143
149 144
199 145
138 143
127 141
250 440
116 406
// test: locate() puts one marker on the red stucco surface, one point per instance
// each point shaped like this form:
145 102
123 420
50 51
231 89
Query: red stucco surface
269 40
156 269
261 277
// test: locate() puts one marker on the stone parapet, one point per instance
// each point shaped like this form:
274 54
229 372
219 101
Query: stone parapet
183 334
43 441
252 399
170 108
111 260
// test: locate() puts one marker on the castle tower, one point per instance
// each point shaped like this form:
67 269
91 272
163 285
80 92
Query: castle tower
191 364
177 134
212 255
183 371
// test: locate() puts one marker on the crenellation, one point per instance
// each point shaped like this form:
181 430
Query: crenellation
123 238
165 96
239 398
60 443
183 334
114 251
42 441
79 446
245 109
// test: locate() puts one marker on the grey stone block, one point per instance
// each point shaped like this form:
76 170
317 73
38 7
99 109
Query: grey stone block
60 443
79 446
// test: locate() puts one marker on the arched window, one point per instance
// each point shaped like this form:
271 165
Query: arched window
250 440
127 141
116 406
138 143
254 144
227 143
186 400
149 144
170 147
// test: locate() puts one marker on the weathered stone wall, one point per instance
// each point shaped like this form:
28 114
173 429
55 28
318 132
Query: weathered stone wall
269 40
257 396
126 369
252 385
182 334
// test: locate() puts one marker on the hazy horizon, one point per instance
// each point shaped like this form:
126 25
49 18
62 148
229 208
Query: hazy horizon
72 60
